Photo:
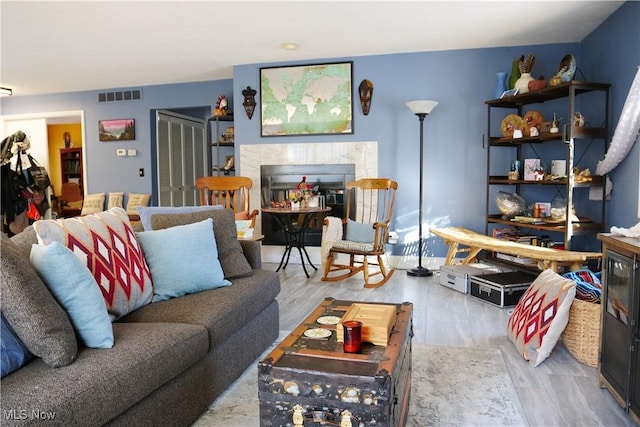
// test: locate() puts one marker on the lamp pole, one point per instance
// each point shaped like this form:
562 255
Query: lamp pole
421 109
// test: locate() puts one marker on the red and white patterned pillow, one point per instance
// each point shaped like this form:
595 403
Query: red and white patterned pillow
110 249
541 316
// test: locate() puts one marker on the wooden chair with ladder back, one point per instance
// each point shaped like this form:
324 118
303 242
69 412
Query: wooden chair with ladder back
230 192
369 208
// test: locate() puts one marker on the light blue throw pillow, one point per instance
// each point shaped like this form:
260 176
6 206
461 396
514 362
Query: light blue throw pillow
75 288
146 212
182 259
14 353
359 232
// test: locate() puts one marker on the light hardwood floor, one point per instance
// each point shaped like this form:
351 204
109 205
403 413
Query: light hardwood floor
559 392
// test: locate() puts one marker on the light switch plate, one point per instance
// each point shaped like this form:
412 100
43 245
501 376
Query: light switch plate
132 152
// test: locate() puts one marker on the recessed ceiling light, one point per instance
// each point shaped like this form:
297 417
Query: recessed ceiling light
289 46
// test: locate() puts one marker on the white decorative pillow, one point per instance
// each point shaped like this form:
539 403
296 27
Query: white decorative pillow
109 246
135 200
93 203
541 316
115 200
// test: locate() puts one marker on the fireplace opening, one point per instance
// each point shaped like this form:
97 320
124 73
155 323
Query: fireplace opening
276 181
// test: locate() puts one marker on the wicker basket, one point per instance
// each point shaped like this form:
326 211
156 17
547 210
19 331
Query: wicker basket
582 334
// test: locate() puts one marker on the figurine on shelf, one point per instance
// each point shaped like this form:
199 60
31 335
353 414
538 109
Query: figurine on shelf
222 106
578 120
68 143
229 163
554 124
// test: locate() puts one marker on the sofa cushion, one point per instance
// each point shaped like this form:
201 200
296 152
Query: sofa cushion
146 212
182 259
102 383
93 203
14 353
115 198
359 232
134 200
233 262
112 253
220 310
541 316
75 289
32 311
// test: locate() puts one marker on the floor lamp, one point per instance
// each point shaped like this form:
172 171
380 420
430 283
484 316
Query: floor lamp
421 109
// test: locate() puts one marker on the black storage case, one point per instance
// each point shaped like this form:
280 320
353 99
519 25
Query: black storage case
501 289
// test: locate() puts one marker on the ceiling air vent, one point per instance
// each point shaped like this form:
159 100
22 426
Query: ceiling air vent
121 95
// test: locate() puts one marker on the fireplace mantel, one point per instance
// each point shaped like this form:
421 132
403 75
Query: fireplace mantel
364 155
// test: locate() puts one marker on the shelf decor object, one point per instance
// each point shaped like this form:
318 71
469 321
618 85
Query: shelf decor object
421 109
501 83
317 96
525 65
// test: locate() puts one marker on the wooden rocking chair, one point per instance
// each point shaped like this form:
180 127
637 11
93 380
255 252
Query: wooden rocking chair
230 192
370 203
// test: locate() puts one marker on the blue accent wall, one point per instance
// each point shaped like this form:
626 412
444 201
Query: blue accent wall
611 53
455 155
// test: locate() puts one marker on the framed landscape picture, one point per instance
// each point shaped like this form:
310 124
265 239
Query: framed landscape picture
117 130
306 99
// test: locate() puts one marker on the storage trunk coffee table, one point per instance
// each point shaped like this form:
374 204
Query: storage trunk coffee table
309 380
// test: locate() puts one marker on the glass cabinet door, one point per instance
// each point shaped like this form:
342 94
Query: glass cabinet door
616 348
619 286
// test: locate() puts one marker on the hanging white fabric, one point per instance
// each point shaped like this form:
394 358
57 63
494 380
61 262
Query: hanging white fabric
626 132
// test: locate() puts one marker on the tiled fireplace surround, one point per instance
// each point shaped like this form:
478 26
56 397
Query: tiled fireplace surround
364 155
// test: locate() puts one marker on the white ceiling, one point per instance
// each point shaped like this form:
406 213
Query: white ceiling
54 46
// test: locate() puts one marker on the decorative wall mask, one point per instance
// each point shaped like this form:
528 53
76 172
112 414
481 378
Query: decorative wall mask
249 102
365 91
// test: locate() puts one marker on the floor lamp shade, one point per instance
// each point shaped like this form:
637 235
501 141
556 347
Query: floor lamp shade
421 109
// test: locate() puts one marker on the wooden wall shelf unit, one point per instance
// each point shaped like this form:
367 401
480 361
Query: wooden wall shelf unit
571 144
619 367
71 165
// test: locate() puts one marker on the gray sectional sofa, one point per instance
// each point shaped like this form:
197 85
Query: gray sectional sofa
169 361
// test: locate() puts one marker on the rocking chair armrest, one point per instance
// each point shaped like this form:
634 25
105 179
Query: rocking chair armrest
381 234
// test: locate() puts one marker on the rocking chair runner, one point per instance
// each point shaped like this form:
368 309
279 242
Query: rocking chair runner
230 192
370 202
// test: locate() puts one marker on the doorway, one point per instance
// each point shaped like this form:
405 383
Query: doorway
35 125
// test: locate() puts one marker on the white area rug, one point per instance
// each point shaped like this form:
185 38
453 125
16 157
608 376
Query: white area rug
451 386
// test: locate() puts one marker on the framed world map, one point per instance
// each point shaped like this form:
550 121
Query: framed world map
306 99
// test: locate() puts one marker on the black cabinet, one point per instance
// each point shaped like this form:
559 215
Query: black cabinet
619 369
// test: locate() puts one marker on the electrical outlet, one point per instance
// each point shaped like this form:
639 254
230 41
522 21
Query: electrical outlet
121 152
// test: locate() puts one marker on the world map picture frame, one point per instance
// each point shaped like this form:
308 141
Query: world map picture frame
310 99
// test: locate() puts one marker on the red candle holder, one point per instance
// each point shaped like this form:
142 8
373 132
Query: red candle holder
352 336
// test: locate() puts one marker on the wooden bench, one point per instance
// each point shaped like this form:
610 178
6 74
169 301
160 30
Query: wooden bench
475 242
